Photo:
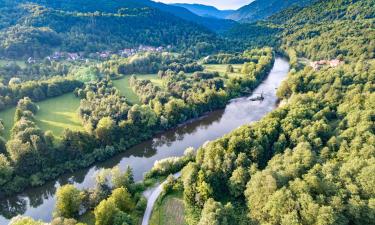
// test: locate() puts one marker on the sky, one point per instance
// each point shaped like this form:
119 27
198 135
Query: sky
220 4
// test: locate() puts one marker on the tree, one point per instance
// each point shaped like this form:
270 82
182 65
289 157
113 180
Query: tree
214 213
6 170
237 182
68 201
123 199
63 221
105 212
23 220
230 69
104 130
122 218
26 160
26 104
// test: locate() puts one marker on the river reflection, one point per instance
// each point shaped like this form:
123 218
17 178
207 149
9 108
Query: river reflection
38 203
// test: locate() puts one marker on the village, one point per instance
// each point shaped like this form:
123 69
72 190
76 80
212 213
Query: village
104 55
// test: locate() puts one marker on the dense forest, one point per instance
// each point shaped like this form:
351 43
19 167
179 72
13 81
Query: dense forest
310 161
36 29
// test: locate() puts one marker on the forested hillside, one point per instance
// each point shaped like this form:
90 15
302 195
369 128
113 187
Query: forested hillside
310 161
262 9
37 29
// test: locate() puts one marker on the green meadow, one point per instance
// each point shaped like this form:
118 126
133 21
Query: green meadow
20 63
55 114
169 210
123 85
222 69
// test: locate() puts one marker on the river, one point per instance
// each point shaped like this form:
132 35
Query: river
38 203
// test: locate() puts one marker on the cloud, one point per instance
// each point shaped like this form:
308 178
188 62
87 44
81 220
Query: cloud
221 4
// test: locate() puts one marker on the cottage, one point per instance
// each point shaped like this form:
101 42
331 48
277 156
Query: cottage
30 60
73 56
317 65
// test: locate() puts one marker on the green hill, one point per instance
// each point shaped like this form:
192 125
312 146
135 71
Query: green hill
36 29
262 9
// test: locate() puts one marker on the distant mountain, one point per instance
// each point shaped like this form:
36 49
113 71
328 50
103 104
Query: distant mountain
262 9
214 24
205 10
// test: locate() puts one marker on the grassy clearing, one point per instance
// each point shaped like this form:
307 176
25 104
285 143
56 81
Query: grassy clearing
169 211
222 69
123 85
58 114
8 117
55 114
20 63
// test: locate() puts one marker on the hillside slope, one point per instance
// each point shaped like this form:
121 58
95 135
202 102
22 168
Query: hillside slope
262 9
113 6
37 28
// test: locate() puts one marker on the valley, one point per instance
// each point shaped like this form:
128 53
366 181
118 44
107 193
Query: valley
143 112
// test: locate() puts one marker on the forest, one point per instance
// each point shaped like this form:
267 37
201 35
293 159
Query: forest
36 28
309 161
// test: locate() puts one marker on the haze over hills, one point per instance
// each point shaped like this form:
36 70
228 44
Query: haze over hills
256 10
205 10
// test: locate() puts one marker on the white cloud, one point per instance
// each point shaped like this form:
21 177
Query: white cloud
221 4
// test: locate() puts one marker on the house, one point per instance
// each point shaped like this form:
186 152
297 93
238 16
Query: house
105 54
127 52
30 60
317 65
57 55
335 63
73 56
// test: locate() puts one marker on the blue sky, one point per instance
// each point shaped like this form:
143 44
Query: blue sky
221 4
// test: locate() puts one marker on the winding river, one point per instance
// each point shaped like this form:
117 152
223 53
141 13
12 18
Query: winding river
38 203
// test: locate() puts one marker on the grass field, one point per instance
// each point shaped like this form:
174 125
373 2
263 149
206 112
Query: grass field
58 114
123 85
222 68
169 211
8 117
20 63
55 114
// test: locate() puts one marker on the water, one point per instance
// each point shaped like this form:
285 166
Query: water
38 203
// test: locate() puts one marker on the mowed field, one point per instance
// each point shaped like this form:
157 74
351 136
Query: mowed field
55 114
222 69
170 210
20 63
123 85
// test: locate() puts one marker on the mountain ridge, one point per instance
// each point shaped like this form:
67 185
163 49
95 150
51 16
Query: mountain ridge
262 9
205 10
